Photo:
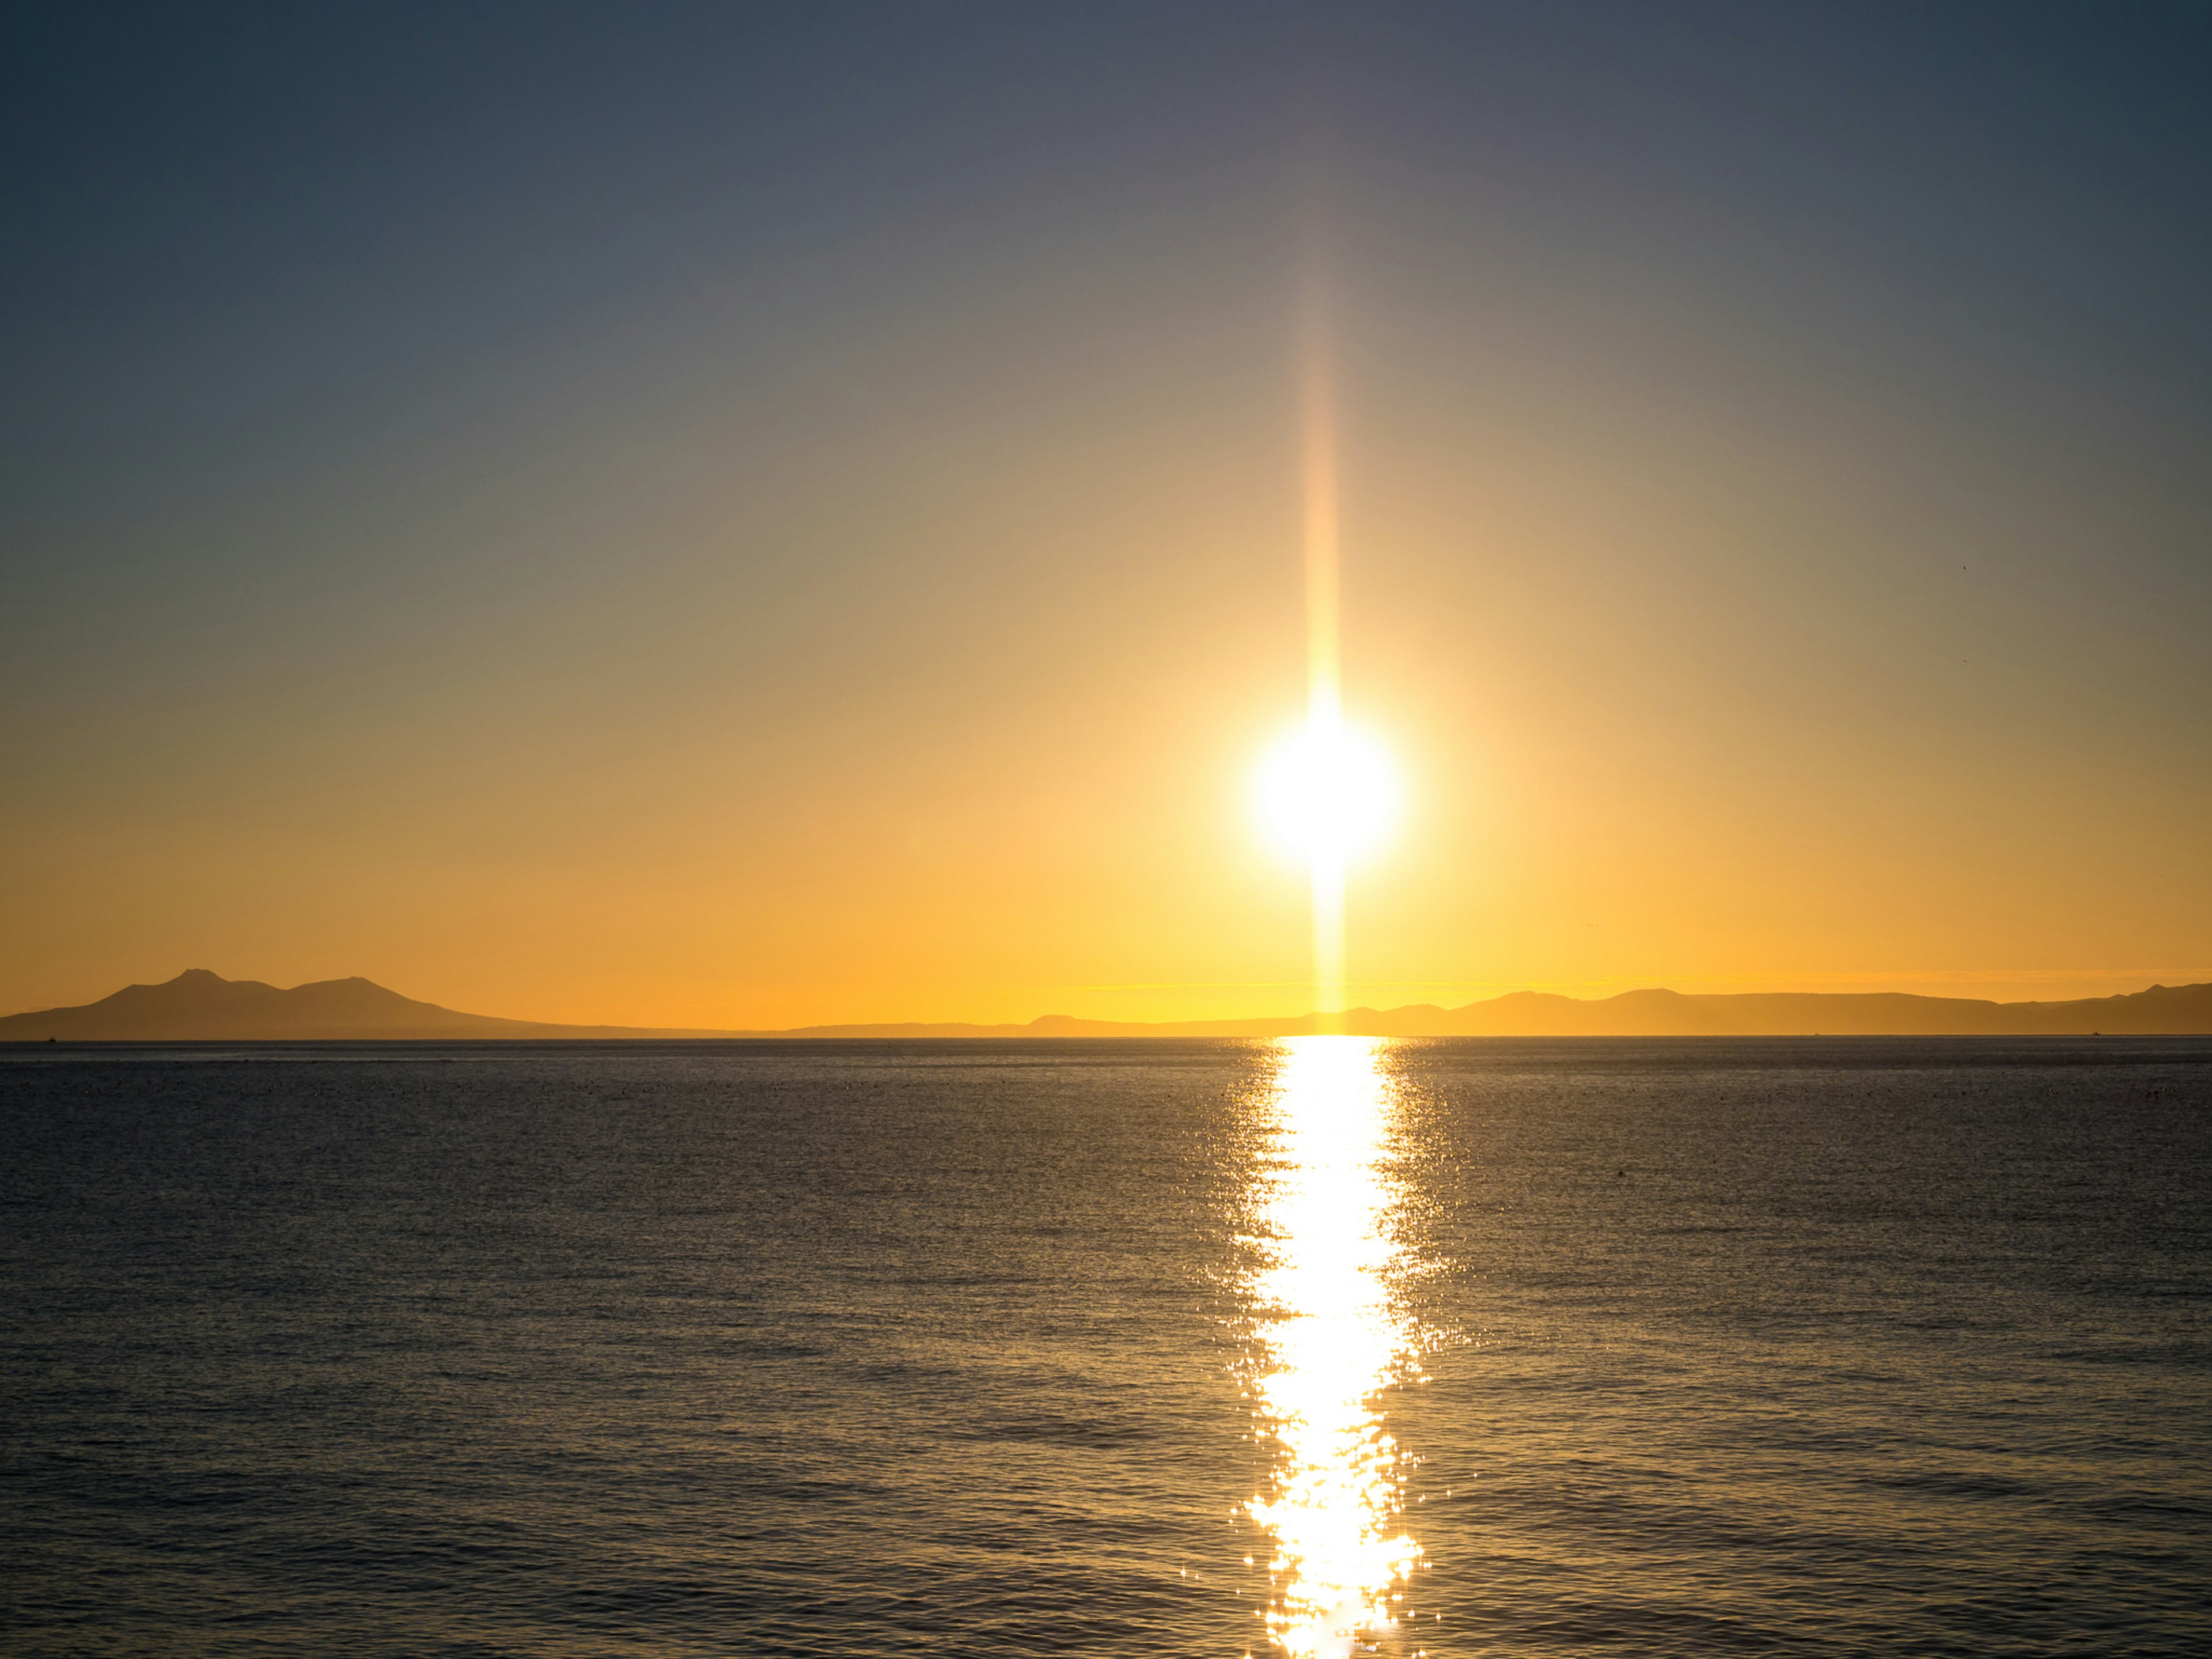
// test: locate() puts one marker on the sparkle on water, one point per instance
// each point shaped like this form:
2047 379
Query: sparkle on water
1330 1339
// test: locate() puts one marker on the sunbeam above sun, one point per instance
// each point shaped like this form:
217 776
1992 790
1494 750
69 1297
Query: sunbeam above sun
1326 793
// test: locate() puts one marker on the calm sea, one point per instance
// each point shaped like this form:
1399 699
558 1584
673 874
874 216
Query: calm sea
1497 1347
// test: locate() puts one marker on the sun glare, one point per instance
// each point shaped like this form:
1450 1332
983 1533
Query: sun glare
1326 795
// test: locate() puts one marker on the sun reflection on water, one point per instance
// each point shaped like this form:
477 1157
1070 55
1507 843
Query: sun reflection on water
1330 1339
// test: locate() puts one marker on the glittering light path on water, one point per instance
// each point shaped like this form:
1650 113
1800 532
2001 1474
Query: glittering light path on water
1329 1340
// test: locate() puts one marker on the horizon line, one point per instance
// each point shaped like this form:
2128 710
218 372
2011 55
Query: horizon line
1311 1016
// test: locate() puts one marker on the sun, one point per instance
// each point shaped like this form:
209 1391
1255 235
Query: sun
1327 794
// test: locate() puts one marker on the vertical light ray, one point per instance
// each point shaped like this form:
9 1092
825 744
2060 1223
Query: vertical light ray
1328 995
1324 691
1318 415
1330 1337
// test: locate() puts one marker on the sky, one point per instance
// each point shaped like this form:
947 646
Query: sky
745 516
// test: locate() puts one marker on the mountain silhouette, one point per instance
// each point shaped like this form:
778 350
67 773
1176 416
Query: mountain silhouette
201 1006
198 1006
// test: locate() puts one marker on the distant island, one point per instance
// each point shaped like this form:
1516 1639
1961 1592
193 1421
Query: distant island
201 1006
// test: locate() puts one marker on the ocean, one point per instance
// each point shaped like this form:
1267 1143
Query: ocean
1856 1347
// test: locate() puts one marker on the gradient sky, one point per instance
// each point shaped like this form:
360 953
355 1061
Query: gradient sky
742 516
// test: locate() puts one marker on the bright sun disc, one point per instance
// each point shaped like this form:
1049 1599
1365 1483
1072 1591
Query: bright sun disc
1327 794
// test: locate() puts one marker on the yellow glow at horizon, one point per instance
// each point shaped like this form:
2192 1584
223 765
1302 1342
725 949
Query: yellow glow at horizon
1331 1337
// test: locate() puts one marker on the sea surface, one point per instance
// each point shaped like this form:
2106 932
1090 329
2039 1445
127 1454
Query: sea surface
1448 1347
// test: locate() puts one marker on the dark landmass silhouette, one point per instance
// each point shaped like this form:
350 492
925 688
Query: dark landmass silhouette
201 1006
197 1006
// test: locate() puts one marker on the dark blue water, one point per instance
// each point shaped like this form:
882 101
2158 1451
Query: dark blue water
1761 1347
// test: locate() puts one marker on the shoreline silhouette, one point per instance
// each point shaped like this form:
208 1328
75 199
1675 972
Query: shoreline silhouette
198 1006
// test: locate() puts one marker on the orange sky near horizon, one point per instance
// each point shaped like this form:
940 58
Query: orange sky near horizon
878 611
1654 732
